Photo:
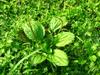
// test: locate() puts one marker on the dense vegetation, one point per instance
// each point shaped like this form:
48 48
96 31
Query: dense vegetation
49 37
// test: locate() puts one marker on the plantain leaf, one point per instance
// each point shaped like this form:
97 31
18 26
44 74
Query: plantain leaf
63 39
57 23
59 58
38 30
64 20
38 58
34 30
27 30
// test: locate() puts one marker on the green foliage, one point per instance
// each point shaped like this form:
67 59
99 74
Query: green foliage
57 23
63 38
38 58
34 30
49 37
37 32
28 31
58 58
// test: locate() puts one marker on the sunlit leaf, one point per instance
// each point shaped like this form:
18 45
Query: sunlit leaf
58 58
93 58
63 39
34 30
38 58
27 30
55 24
98 53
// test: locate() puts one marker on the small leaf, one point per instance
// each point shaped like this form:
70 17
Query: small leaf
64 20
93 58
63 39
38 58
58 58
27 30
38 30
98 53
55 24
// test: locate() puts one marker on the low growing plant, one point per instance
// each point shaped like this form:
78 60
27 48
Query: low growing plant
47 42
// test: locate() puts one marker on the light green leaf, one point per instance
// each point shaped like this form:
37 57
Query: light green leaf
55 24
63 39
93 58
64 20
27 30
38 30
38 58
34 30
58 58
98 53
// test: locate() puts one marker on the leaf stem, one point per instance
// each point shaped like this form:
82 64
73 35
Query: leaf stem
22 61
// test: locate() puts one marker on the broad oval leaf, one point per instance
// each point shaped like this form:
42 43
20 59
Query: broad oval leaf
38 30
59 58
34 30
57 23
63 39
27 30
38 58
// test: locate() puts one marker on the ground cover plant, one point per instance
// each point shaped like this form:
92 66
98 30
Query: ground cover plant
49 37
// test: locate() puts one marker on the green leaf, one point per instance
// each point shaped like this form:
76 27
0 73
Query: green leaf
63 39
27 30
55 24
98 53
34 30
38 30
64 20
38 58
93 58
58 58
